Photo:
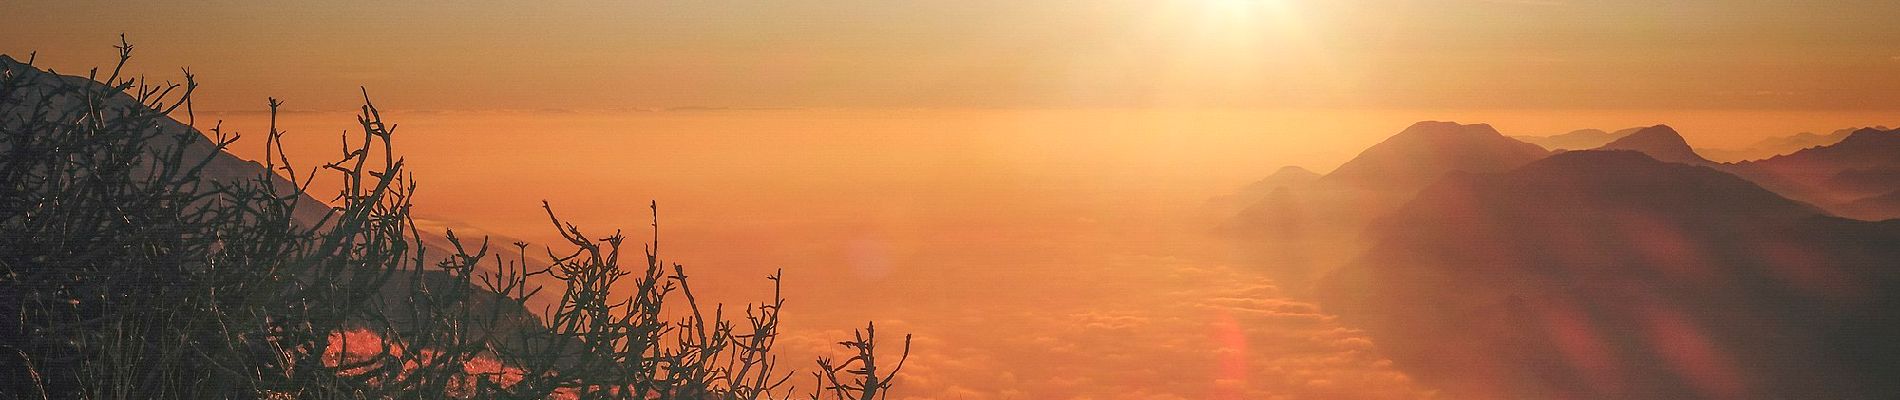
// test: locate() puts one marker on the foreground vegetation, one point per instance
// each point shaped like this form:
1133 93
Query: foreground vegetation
130 269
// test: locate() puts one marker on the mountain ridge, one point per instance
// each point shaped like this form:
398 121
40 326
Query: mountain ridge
1628 257
1835 176
1574 140
223 167
1660 142
1428 149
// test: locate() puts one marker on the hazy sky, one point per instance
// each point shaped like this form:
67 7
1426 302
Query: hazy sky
1544 54
1050 244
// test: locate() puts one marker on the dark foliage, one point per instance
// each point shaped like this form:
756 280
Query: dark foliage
129 268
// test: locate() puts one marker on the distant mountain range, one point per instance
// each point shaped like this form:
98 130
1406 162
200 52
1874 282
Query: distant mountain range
1660 142
1580 139
1850 178
1389 172
1288 177
1421 153
1635 269
1609 274
1774 146
1302 219
1583 139
1856 178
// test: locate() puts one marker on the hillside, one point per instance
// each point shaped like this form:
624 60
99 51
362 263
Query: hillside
1428 150
60 97
1302 226
1659 142
1609 274
1779 145
1841 177
1575 140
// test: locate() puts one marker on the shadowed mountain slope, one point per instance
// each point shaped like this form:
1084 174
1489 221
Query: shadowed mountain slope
1660 142
1286 178
1574 140
1863 166
1780 145
1303 229
1427 150
1609 274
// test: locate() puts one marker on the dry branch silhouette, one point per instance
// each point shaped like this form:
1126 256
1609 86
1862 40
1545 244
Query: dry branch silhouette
132 267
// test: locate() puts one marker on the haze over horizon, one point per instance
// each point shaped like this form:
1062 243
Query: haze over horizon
1072 199
1365 54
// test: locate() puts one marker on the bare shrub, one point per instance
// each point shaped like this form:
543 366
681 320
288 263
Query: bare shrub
130 268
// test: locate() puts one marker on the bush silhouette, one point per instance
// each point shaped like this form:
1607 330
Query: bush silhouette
132 267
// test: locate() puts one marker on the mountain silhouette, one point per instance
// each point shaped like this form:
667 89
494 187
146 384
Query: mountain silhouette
1392 170
1219 210
1297 229
1575 140
1872 207
1428 150
1660 142
1774 146
1864 165
1610 274
1291 176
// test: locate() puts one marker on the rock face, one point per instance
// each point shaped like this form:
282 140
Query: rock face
1610 274
1848 178
1660 142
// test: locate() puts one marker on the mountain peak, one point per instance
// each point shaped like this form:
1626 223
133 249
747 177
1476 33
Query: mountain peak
1285 177
1660 142
1293 172
1639 179
1597 240
1448 128
1870 135
1574 140
1428 150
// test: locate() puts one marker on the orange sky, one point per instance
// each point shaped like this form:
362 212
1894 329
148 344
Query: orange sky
1020 184
1490 54
1035 253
